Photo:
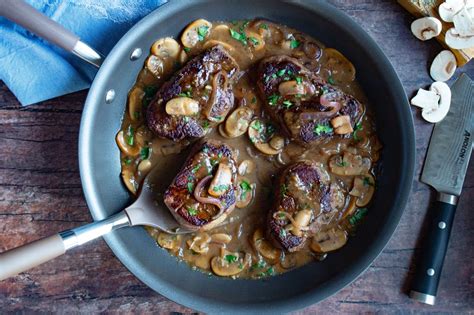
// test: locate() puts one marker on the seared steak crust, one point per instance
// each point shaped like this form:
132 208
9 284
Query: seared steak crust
301 186
202 162
208 79
301 115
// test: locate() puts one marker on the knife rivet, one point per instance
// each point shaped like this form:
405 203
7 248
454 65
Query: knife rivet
442 225
136 53
430 272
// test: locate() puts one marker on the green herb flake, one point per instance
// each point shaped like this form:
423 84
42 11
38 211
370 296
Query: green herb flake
241 266
282 233
187 93
341 163
130 138
357 128
244 26
254 41
145 153
254 100
283 189
202 32
191 211
245 188
196 168
299 80
190 187
273 99
294 44
320 129
136 115
220 188
127 160
241 37
230 258
205 124
287 104
367 181
357 217
187 49
257 125
331 79
281 72
270 271
264 26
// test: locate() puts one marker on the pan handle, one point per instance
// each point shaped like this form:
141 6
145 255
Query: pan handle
25 15
25 257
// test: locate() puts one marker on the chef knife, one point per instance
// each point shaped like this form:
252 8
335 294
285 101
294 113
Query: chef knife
445 168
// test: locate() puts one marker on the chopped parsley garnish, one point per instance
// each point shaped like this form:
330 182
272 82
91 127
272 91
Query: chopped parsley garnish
196 168
299 80
273 99
257 125
241 266
319 129
358 216
269 77
331 79
127 160
136 114
202 32
245 188
294 44
258 265
205 124
341 163
186 119
281 72
367 181
191 211
219 155
254 41
357 127
244 26
283 189
130 139
150 92
190 187
187 93
230 258
145 153
287 104
254 100
241 37
264 26
220 188
187 49
270 271
282 233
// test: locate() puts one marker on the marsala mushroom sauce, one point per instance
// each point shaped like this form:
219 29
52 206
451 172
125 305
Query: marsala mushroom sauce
241 242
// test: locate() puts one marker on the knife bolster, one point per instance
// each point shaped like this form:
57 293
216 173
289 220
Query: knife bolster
447 198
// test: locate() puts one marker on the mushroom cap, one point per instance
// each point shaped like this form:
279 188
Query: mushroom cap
436 114
454 40
426 28
443 66
464 22
425 99
449 8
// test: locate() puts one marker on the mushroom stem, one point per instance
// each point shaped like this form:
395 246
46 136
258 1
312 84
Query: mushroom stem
207 200
219 85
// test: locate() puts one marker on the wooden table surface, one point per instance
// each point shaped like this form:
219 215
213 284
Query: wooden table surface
40 194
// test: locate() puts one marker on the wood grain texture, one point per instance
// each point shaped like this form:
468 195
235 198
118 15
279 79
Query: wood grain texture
40 193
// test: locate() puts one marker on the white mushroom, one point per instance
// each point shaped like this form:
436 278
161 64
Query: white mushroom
195 32
425 99
426 28
264 247
443 66
135 98
125 142
166 48
449 8
238 122
199 243
464 22
222 181
438 113
168 241
182 106
246 167
291 88
456 41
342 125
327 241
228 264
213 42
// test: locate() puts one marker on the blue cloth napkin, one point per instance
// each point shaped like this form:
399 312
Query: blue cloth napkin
35 70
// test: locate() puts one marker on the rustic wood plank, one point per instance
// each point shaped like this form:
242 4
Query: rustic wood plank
40 192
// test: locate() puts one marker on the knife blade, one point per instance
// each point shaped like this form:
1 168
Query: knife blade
445 168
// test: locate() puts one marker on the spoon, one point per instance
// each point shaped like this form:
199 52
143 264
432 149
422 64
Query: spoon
144 211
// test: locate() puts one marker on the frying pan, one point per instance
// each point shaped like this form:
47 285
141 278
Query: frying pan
100 164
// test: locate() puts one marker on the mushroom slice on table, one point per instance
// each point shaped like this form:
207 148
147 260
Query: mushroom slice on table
426 28
435 102
464 21
457 41
443 66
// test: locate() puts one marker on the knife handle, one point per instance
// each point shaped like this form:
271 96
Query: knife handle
428 271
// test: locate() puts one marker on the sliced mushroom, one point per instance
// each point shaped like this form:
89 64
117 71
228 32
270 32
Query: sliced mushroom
255 40
449 8
238 122
312 50
289 261
454 40
183 57
221 238
342 125
245 192
330 240
341 68
182 106
222 180
277 143
156 66
425 99
124 146
351 207
203 262
246 167
166 48
436 114
144 167
300 222
291 88
264 247
129 181
443 66
349 164
195 32
222 131
464 22
168 241
260 133
214 42
200 243
363 189
222 28
229 264
426 28
266 149
135 98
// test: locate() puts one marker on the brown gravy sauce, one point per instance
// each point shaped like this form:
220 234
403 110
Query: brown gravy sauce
242 223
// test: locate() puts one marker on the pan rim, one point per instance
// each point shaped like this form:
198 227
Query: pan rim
290 304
